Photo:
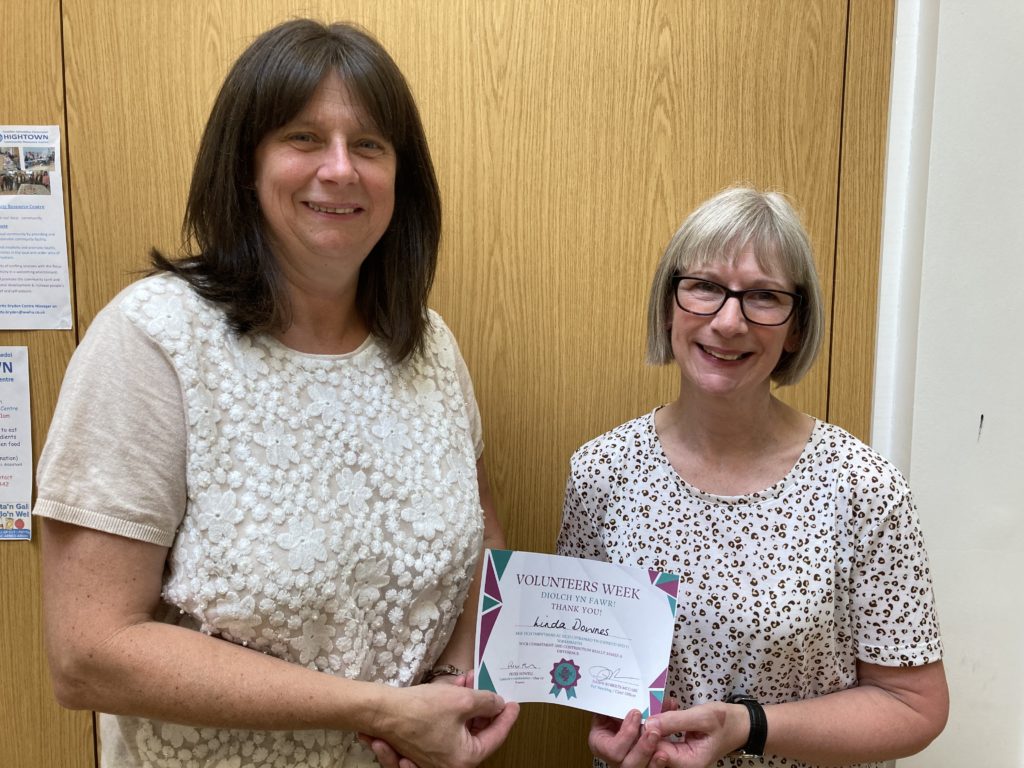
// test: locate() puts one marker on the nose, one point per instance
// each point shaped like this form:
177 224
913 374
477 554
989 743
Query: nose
336 164
729 320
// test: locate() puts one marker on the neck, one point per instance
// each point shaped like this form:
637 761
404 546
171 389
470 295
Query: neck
323 322
731 448
725 427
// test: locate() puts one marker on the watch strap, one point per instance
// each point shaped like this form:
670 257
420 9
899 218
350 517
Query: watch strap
442 671
758 725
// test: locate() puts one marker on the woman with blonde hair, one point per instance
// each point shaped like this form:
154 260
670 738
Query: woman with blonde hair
806 632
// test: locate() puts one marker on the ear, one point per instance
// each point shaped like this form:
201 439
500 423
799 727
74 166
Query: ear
793 338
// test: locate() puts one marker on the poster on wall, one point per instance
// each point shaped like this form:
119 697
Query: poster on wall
15 445
35 292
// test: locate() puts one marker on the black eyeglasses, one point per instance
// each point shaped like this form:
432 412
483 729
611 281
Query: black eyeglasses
760 306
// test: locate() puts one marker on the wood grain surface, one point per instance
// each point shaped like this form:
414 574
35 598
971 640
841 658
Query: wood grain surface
570 138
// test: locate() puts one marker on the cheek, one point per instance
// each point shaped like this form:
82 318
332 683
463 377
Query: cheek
384 181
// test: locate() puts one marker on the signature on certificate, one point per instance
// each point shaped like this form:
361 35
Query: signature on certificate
605 674
513 665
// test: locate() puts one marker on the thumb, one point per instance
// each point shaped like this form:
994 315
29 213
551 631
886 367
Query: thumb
486 704
491 736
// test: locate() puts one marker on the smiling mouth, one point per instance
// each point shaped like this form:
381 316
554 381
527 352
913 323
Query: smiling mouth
729 358
325 209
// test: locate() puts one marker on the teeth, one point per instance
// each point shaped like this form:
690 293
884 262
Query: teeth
321 209
720 356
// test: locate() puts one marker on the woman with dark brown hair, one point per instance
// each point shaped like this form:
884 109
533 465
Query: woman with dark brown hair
263 493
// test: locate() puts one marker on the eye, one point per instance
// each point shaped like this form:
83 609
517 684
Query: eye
371 146
765 298
301 138
702 288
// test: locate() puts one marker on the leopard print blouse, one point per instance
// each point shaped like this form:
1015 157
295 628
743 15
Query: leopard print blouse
781 591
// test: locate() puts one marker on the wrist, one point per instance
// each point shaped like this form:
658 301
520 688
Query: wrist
382 704
441 670
751 720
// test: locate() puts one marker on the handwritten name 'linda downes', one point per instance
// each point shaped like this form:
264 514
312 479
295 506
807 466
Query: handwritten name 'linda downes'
576 626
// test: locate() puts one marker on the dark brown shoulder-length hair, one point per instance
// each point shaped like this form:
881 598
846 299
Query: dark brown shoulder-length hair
226 255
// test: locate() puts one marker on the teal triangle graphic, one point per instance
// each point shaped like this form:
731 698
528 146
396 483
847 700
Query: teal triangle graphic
489 602
672 604
500 558
483 680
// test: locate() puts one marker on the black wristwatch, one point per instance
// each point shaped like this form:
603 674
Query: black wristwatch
442 671
758 725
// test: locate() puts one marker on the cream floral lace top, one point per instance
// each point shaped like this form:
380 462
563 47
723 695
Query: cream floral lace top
322 509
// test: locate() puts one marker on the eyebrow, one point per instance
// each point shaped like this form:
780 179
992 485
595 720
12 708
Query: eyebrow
764 282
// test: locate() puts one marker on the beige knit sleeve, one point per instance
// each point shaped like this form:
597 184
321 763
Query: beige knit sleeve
114 458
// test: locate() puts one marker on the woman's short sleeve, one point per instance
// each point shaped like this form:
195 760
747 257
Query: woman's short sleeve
114 458
895 621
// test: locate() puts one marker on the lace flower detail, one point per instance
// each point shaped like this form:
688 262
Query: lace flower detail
218 514
324 402
163 315
279 443
234 618
393 434
370 576
178 735
429 397
424 611
317 638
425 517
353 491
203 414
305 549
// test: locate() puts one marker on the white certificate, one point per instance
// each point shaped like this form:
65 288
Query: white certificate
581 633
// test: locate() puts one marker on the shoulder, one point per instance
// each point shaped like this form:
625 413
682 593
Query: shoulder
437 331
115 340
853 459
870 492
615 446
439 344
160 284
162 304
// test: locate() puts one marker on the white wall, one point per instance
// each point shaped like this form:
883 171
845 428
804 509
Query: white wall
953 253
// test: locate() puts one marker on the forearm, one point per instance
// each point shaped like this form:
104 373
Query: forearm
863 724
108 653
892 713
178 675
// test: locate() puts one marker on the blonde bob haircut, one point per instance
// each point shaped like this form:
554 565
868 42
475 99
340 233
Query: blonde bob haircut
717 231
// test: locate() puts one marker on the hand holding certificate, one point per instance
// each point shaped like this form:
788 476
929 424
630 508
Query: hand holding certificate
582 633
